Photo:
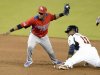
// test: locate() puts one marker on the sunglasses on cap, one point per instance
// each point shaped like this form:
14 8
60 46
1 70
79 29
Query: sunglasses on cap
41 13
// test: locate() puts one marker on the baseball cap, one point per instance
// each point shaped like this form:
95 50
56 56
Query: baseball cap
71 27
42 9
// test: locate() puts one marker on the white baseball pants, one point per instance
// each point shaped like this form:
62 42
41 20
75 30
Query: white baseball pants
88 54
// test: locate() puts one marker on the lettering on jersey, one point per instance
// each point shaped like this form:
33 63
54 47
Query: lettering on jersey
42 28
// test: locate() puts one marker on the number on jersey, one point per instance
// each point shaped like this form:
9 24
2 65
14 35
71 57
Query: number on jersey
85 39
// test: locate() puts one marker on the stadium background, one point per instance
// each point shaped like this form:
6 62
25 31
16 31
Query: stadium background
83 13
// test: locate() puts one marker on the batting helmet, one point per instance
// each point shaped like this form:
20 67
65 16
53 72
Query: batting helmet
71 27
42 9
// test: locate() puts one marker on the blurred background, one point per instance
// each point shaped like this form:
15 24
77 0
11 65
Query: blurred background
83 13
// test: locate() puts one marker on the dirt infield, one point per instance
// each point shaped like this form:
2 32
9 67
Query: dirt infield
13 56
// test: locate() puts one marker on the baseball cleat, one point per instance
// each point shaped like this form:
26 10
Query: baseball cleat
28 63
86 64
58 63
63 67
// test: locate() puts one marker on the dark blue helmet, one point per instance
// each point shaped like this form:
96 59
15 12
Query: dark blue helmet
71 27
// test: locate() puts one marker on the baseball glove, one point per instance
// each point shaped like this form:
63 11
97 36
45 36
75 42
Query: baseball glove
98 21
66 9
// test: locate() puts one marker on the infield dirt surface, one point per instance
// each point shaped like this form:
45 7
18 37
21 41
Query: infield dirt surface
13 56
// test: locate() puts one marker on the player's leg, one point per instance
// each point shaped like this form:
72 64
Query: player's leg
87 54
76 58
32 40
93 57
45 43
70 62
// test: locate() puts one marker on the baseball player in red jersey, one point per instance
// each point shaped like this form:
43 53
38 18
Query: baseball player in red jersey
84 50
38 34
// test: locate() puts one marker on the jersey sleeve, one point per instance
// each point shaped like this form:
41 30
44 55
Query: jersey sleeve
71 40
71 45
28 23
52 17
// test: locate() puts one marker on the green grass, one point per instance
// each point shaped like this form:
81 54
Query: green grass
83 13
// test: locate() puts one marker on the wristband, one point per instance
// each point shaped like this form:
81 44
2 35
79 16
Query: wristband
19 26
11 30
61 14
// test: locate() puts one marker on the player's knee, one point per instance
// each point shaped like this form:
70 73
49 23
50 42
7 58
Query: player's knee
30 47
97 64
51 51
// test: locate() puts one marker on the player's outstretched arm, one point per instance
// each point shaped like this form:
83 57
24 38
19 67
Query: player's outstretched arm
65 11
13 29
98 21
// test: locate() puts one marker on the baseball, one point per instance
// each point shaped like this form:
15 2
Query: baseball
67 6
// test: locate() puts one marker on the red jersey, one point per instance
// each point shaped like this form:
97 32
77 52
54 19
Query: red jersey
39 27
